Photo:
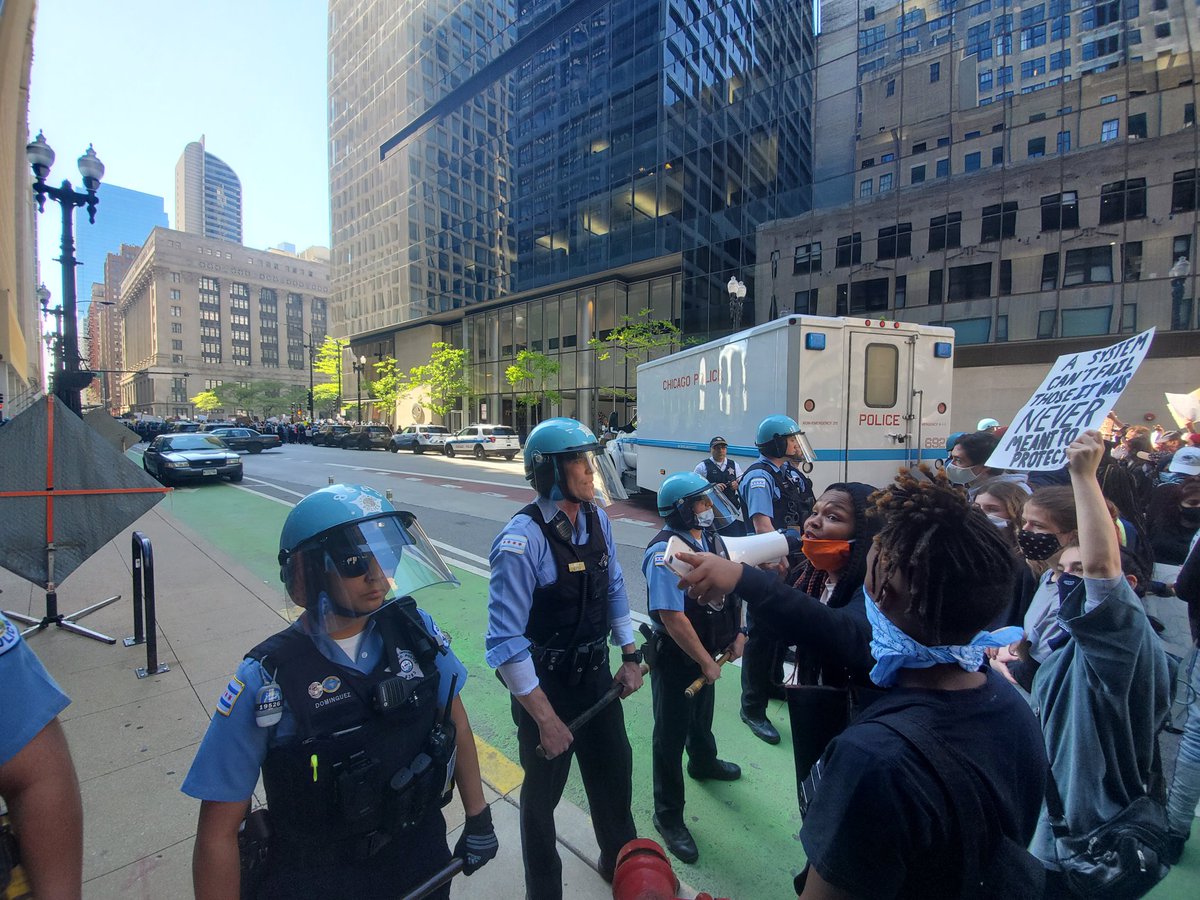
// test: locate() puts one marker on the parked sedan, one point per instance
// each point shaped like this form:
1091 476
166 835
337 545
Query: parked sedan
330 435
485 440
191 457
419 438
367 437
246 439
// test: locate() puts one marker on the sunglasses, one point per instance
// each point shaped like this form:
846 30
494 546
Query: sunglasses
355 564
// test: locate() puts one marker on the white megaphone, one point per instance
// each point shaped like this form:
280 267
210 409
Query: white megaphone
754 550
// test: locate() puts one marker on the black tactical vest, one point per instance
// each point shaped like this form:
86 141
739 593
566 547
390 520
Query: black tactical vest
716 629
353 777
717 475
574 609
795 501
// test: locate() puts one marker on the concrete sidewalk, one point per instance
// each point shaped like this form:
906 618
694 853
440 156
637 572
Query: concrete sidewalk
133 739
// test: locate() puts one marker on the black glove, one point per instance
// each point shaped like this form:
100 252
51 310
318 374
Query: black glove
478 844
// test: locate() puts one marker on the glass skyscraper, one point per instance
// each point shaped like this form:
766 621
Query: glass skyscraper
542 167
208 195
125 216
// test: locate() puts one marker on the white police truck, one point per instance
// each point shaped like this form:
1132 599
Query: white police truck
870 396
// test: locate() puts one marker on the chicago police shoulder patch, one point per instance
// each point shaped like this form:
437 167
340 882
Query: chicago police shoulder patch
230 696
514 543
9 636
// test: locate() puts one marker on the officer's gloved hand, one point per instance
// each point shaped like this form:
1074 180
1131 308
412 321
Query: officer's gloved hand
477 845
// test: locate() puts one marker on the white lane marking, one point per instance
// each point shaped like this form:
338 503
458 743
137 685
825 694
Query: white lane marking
408 477
274 486
494 494
451 487
463 553
286 503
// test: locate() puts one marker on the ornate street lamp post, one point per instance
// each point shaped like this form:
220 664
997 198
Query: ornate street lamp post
360 365
737 298
69 380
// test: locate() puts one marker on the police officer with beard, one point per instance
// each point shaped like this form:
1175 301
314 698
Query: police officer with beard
725 473
353 716
688 635
556 594
775 494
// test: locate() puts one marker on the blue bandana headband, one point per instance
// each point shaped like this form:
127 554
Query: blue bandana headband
894 650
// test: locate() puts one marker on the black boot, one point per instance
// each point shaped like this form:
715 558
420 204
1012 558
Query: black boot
678 840
716 770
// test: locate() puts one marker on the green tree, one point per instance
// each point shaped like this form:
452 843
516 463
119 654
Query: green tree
637 337
529 375
443 377
206 401
389 385
328 362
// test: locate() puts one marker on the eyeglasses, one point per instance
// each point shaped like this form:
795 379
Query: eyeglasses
353 565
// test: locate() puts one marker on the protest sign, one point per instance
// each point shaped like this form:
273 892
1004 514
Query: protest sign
1076 395
1184 407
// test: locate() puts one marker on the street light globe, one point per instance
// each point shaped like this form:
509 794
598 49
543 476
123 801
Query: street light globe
362 360
91 168
43 295
732 286
40 156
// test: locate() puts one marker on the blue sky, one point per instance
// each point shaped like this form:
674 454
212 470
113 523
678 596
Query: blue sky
140 79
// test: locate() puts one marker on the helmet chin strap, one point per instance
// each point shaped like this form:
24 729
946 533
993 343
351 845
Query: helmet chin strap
326 605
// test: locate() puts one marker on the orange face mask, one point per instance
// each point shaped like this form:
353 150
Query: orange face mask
828 556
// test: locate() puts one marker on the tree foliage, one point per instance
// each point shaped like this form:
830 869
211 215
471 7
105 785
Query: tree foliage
637 337
529 376
389 385
443 377
206 401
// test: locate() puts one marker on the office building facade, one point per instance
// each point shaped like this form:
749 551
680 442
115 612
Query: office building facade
196 312
527 175
208 195
103 346
1025 173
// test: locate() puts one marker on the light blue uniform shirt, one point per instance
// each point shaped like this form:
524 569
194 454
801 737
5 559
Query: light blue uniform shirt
29 698
662 585
759 491
227 765
522 561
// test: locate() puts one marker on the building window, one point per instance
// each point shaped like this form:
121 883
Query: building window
1001 329
1181 313
178 357
1189 114
805 302
891 87
885 182
919 147
895 241
945 231
1162 30
1005 287
176 345
1049 271
935 72
869 296
843 300
1181 245
175 294
1060 211
1123 200
1128 318
971 331
1060 59
985 81
1183 190
1036 147
807 259
1063 142
1004 75
864 187
1031 68
1088 265
997 156
942 169
1090 320
935 286
1137 125
901 293
970 282
999 221
176 311
1110 130
1046 319
917 175
971 162
849 250
176 328
175 278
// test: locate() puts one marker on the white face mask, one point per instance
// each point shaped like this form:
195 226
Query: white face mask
959 474
997 521
705 519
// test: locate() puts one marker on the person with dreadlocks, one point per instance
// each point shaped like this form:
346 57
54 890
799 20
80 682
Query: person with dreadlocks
926 791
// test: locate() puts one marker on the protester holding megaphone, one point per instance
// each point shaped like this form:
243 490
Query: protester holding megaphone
823 615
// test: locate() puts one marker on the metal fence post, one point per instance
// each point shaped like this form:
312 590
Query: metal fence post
145 628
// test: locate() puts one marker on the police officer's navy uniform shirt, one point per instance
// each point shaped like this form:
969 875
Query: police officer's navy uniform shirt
521 561
662 585
759 492
227 765
29 698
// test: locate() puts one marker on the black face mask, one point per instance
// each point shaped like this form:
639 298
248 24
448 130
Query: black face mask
1190 516
1066 585
1038 545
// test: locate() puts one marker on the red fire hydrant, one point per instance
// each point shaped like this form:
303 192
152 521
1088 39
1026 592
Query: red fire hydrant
643 872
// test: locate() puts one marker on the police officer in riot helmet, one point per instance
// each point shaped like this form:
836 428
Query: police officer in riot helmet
352 714
775 494
688 636
556 596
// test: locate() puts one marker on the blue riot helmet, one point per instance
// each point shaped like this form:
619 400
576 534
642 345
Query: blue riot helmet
772 435
554 443
953 439
679 494
345 552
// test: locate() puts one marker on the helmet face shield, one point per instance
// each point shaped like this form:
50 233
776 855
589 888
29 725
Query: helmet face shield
357 569
587 476
724 512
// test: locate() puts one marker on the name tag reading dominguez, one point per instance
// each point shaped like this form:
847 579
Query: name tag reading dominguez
576 567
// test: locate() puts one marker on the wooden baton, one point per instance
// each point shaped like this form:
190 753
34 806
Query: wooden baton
694 688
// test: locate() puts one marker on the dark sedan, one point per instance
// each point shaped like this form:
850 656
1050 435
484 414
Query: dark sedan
330 435
246 439
191 457
367 437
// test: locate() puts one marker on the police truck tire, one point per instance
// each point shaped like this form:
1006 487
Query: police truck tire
234 479
256 448
450 451
418 449
510 456
478 451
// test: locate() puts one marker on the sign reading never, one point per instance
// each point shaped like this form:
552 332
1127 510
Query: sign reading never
1076 395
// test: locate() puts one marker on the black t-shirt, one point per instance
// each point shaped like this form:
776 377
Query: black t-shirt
881 823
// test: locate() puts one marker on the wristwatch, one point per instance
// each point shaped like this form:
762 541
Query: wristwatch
634 657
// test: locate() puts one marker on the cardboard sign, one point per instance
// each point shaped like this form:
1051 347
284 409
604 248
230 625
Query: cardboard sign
1076 395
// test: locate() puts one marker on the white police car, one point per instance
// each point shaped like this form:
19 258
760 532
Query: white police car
484 440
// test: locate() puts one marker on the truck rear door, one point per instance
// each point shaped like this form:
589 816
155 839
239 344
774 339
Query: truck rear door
878 412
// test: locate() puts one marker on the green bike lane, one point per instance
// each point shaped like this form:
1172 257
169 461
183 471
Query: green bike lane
746 831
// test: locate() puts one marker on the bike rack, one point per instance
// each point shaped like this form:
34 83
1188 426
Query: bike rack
145 629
